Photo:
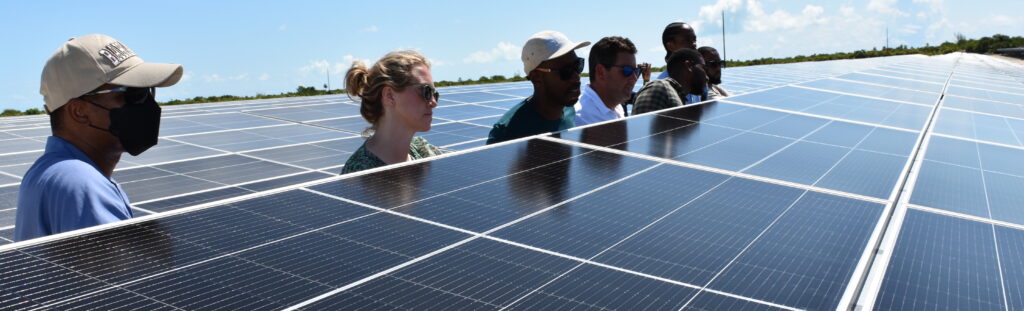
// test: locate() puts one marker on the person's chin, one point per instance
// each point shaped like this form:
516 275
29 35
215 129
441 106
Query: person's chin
572 97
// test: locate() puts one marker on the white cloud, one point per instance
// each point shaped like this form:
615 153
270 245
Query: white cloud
372 28
264 77
283 27
885 7
319 66
753 17
713 13
760 21
935 5
1003 20
504 51
218 78
847 11
910 29
212 78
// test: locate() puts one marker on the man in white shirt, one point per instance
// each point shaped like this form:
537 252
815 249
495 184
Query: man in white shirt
613 73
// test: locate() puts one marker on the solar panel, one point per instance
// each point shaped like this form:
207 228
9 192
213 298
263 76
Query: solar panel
830 185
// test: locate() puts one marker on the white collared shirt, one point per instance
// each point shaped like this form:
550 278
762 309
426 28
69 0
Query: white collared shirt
590 108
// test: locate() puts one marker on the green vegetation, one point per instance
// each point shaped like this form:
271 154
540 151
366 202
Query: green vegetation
16 112
482 80
985 45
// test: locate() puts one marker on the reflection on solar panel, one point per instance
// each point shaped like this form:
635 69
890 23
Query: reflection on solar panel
889 183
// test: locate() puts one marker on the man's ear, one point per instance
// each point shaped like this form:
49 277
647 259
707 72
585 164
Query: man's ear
599 72
536 77
75 110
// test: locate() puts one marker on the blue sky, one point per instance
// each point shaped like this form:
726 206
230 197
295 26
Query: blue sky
250 47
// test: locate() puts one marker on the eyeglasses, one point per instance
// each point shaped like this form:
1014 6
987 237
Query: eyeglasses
715 63
567 71
132 95
628 70
428 91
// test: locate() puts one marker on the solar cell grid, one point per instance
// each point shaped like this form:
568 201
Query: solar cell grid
770 202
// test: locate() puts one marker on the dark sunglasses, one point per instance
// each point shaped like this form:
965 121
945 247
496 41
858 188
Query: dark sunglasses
428 92
628 70
132 95
567 71
715 63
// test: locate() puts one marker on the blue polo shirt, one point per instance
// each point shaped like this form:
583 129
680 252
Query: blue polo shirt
63 191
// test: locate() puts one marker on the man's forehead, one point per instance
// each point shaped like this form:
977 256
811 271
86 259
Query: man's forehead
564 59
710 55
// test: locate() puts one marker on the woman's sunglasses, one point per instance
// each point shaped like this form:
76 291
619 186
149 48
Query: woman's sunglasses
567 71
428 92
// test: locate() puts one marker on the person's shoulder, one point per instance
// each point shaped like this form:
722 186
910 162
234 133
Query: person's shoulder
500 131
64 173
361 159
659 84
507 117
421 148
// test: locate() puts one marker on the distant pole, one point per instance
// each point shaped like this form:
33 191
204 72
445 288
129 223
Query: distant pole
886 37
328 78
723 35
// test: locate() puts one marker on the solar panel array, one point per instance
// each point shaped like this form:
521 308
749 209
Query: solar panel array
884 183
214 151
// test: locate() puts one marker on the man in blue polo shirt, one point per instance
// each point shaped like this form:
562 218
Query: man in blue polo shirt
101 100
551 64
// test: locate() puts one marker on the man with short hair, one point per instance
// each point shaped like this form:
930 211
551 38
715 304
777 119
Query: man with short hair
684 85
551 65
676 36
101 100
713 64
613 73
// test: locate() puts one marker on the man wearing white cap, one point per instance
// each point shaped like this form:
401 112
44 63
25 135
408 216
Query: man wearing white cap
101 100
551 64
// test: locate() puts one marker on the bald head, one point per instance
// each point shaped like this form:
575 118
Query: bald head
677 36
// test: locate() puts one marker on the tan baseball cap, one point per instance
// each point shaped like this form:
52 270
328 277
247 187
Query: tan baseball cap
545 45
85 63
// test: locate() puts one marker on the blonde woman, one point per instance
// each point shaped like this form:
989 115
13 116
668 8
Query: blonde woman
398 98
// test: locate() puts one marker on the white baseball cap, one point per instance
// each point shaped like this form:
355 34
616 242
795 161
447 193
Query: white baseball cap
545 45
85 63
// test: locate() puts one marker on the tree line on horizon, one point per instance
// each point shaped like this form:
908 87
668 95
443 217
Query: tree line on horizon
984 45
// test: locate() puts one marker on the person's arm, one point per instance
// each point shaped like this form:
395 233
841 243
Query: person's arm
645 72
651 98
497 134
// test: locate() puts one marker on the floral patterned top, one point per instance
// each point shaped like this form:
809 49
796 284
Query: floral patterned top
363 159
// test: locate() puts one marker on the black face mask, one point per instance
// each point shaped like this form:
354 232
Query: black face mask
137 123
